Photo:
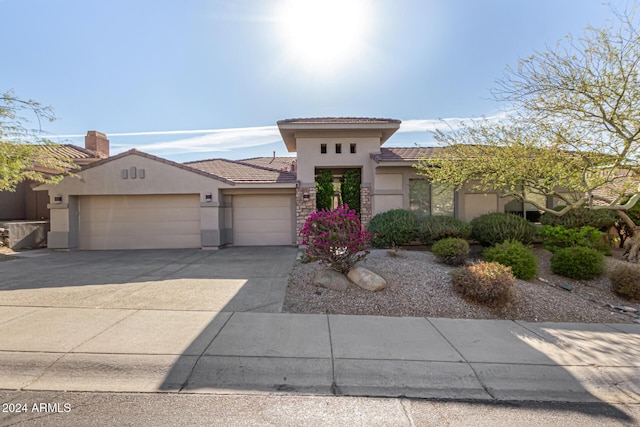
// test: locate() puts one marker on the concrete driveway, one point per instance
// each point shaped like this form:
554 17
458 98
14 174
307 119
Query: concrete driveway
233 279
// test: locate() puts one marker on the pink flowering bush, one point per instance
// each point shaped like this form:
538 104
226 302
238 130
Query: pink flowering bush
335 238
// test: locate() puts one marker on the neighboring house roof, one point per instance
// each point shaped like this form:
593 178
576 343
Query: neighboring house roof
404 154
271 162
135 152
243 172
78 155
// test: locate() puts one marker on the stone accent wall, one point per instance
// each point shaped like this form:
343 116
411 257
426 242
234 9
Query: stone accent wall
304 208
365 206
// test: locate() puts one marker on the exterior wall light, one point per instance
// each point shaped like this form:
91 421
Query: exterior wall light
57 198
208 197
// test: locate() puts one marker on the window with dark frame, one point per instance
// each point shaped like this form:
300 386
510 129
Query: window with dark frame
426 199
352 148
338 148
323 148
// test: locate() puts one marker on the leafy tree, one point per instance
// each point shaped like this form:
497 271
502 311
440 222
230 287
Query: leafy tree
24 153
324 190
350 189
573 131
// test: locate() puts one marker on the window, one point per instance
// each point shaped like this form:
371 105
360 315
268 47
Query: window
352 148
527 210
338 148
427 199
323 148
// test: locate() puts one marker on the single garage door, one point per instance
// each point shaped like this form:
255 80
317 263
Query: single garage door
263 220
139 222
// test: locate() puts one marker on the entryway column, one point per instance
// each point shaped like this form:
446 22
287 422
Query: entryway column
365 206
305 206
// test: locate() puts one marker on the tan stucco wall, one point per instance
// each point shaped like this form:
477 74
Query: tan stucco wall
310 158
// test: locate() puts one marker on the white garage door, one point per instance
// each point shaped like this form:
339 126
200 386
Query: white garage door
139 222
262 220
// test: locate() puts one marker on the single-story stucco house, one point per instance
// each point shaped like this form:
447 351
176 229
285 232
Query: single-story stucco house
135 200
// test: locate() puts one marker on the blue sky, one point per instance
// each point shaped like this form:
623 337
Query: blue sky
196 79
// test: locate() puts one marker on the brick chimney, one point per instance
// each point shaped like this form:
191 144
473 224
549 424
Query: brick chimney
98 142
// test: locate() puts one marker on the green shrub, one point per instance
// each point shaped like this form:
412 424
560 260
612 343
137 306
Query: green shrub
498 227
350 189
558 237
430 229
601 219
578 262
392 228
324 190
487 283
625 281
451 251
514 254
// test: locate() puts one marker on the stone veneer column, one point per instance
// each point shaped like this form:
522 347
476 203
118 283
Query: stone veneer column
365 206
304 208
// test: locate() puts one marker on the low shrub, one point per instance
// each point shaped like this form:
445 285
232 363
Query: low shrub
601 219
487 283
514 254
430 229
578 262
392 228
497 227
625 281
335 238
451 251
558 237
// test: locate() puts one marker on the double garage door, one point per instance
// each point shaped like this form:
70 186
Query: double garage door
139 222
173 221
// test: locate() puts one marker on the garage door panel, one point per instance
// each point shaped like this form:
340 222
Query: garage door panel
140 228
265 226
139 222
261 212
264 239
260 220
142 215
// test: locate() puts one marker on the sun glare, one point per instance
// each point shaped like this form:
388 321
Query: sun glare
324 34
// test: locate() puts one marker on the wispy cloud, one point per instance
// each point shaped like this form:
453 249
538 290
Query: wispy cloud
452 123
212 140
230 139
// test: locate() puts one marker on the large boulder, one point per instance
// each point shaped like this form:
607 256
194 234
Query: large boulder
366 279
330 279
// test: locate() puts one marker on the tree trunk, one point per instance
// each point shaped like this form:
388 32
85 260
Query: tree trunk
632 246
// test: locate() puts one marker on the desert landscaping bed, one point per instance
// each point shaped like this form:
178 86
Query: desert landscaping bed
419 286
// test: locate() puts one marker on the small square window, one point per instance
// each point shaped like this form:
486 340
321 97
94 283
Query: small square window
338 148
352 148
323 148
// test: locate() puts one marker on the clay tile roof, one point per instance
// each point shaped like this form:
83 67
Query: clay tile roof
71 151
335 120
271 162
403 154
242 172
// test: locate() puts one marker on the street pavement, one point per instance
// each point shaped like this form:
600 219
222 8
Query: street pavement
198 322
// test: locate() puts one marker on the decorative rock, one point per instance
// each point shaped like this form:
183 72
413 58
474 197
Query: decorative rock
625 308
366 279
330 279
543 280
567 287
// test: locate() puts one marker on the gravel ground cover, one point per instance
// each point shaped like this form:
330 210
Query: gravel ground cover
419 286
